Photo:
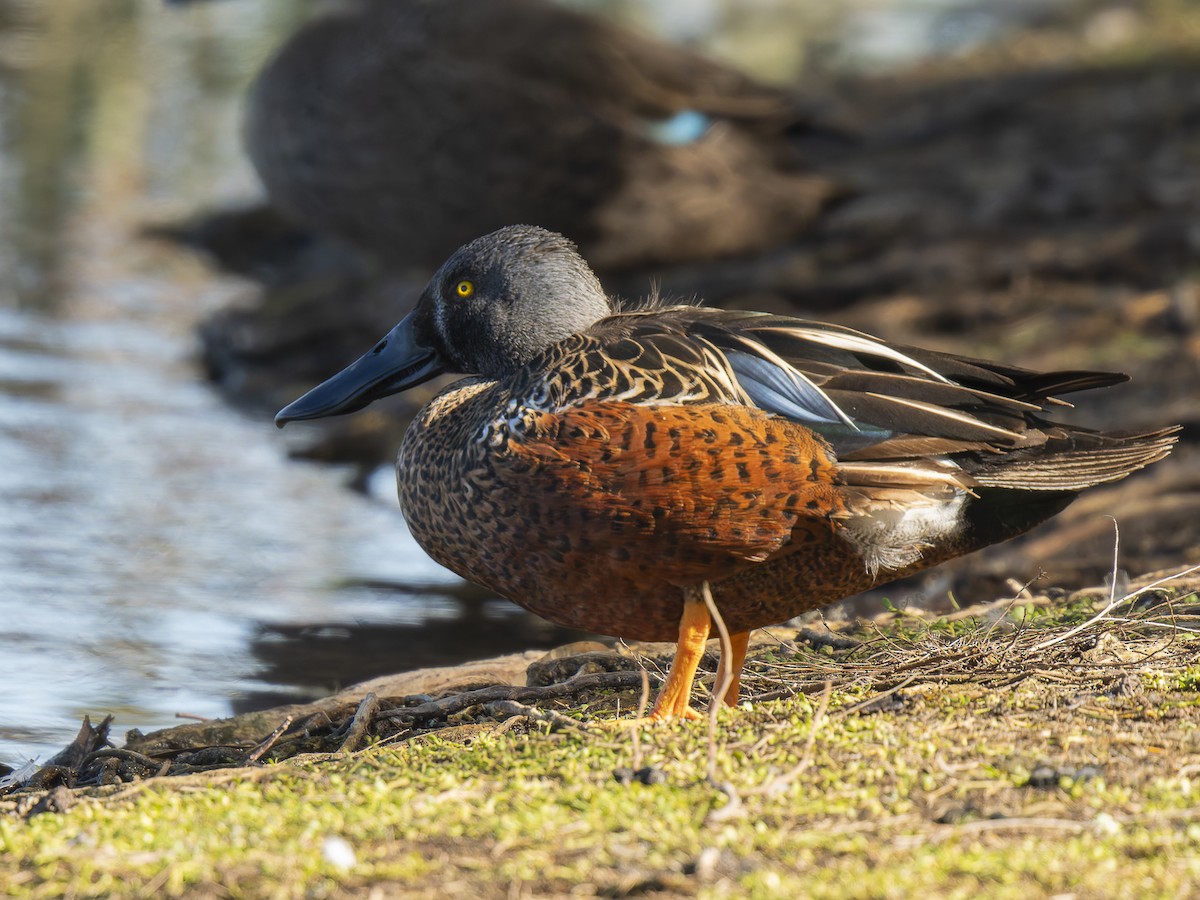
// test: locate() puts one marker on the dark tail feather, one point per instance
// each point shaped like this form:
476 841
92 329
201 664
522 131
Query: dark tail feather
1048 385
1012 381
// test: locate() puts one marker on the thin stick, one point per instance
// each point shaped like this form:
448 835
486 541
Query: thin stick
1010 604
266 745
1166 579
636 730
892 690
1013 824
817 722
458 702
1112 604
1112 587
513 708
724 678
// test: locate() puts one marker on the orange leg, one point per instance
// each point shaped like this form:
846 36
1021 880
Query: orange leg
672 700
737 659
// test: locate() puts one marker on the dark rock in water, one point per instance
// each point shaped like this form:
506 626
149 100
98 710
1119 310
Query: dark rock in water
89 739
412 126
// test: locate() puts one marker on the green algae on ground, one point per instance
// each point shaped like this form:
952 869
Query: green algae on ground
542 813
1078 778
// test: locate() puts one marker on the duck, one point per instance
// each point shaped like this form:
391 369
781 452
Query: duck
655 471
408 127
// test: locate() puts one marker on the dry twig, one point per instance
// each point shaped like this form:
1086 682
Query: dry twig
724 679
257 753
436 709
500 708
359 724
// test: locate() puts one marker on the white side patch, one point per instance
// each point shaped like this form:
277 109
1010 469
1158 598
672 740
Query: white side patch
891 538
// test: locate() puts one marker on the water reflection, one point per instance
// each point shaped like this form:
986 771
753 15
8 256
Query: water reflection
150 533
444 631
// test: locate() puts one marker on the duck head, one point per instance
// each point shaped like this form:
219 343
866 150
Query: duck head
491 307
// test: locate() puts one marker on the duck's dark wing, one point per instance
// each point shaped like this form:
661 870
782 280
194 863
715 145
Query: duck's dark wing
892 414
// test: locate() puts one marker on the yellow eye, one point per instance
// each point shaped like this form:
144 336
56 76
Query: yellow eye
464 288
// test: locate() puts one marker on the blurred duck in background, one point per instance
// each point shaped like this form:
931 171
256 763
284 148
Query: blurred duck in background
408 127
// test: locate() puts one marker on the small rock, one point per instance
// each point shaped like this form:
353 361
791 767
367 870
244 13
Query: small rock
623 775
1087 773
650 775
1127 685
817 638
706 863
889 703
956 815
338 853
1148 600
1043 778
1109 648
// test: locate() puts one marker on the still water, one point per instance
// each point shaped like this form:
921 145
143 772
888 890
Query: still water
159 554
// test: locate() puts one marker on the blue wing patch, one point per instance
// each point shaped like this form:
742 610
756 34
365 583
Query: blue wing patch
790 394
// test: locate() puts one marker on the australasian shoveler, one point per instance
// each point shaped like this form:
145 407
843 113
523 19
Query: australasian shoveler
605 467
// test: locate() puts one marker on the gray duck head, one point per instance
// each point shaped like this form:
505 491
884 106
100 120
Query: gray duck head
491 307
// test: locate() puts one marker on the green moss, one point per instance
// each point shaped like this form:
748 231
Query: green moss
859 815
929 792
1187 680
